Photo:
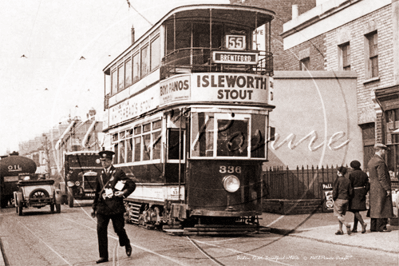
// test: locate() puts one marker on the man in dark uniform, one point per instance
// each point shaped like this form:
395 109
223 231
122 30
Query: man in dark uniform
380 190
111 186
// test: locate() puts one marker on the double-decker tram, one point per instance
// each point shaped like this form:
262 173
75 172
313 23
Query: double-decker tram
187 113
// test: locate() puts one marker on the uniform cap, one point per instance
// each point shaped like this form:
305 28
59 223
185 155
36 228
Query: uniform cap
380 146
106 155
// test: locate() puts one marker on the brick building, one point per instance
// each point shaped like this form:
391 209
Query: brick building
281 59
361 36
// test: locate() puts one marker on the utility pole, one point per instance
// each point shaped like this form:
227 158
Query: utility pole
47 154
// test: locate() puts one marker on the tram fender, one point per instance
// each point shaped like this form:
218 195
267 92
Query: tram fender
179 210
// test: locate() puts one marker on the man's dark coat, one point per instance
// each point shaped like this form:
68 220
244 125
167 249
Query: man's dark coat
380 183
114 205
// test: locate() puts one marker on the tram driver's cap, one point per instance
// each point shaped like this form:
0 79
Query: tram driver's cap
380 146
106 155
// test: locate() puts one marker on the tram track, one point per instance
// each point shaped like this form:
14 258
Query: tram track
134 245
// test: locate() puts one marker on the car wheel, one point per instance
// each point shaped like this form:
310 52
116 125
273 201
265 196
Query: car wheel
70 200
20 209
57 208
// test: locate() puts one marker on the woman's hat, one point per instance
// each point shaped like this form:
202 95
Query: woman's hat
355 164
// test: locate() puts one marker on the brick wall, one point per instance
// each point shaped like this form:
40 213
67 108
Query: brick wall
283 10
316 50
354 33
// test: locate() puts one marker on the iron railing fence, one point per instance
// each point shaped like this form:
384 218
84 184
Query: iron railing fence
300 183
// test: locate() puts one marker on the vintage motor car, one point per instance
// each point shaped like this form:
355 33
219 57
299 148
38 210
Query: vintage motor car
37 193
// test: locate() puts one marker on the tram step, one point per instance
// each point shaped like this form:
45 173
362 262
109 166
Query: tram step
216 233
219 229
224 226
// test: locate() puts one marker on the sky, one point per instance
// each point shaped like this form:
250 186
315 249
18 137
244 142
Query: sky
52 53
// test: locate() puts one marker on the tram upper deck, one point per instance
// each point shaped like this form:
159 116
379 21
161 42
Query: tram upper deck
192 39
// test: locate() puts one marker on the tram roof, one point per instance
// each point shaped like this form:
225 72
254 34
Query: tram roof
235 14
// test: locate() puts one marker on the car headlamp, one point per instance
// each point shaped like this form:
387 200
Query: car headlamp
70 184
231 183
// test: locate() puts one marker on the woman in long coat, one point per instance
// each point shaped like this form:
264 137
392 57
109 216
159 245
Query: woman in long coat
361 185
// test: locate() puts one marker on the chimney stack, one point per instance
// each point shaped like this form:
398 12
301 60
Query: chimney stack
132 35
294 11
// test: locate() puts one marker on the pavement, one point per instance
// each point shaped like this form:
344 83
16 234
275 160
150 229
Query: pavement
322 227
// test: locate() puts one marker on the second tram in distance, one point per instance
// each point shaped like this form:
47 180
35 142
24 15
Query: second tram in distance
187 113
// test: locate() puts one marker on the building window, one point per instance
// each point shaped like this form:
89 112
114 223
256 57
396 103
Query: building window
368 135
372 55
345 56
304 64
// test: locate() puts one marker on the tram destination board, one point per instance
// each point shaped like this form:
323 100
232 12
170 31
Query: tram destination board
240 58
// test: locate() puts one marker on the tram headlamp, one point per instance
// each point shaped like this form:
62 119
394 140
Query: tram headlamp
231 183
77 183
70 184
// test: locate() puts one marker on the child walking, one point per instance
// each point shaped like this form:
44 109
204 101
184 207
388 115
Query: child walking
342 193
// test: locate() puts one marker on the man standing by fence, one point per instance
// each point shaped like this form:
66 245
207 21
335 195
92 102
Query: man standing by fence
380 190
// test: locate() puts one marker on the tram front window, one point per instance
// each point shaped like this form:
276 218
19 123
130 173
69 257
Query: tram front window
232 139
237 135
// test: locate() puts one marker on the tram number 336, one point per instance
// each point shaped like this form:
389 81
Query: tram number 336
229 169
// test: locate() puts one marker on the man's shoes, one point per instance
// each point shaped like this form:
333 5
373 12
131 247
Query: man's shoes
101 260
339 232
348 229
384 231
128 248
364 225
354 230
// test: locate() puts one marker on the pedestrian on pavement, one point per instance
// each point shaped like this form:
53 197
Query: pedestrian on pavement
360 183
342 193
380 190
111 187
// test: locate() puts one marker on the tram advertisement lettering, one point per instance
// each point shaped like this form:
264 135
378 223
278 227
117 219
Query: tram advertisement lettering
174 85
232 81
175 89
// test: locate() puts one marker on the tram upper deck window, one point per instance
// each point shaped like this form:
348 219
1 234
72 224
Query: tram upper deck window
128 72
114 82
145 62
234 135
136 67
121 78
